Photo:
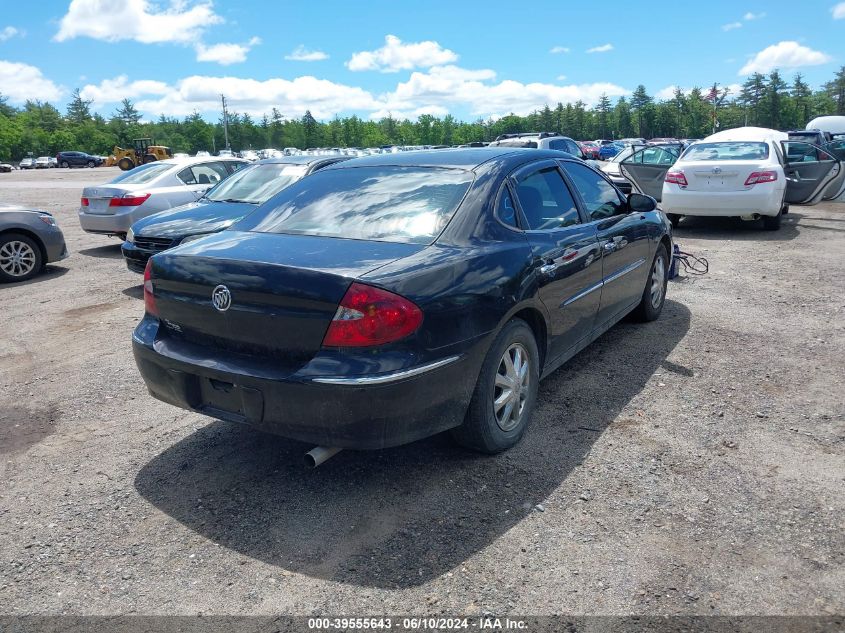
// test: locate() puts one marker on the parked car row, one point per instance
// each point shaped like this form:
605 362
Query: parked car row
366 302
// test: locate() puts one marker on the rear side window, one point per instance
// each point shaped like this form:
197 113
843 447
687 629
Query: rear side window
203 174
545 200
601 199
384 203
506 211
654 156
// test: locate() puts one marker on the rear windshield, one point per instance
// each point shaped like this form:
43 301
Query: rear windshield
256 183
728 150
385 203
142 173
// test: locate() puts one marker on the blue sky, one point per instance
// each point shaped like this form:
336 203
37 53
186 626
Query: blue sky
470 59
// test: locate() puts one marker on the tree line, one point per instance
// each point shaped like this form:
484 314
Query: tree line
39 128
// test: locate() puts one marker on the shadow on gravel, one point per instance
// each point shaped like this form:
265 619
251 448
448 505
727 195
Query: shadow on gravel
702 228
398 518
110 251
136 292
50 272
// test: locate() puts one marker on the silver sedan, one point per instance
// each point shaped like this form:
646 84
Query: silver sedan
29 240
111 208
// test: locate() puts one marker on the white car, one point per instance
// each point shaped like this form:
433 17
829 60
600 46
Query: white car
202 154
42 162
111 208
749 172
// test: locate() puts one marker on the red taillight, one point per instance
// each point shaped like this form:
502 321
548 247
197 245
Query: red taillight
371 316
149 296
128 201
677 177
84 202
756 177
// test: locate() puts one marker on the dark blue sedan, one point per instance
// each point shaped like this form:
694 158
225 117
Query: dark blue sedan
224 204
392 297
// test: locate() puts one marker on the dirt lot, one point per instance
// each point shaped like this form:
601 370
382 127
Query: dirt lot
692 465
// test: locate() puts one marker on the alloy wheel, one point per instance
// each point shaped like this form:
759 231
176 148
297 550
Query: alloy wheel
17 258
511 387
658 279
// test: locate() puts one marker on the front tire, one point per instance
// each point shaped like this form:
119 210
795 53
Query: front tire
65 164
505 394
90 164
654 293
20 258
126 164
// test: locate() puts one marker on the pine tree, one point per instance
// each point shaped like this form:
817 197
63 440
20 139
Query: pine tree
640 102
78 110
127 112
801 96
836 90
603 109
774 98
751 97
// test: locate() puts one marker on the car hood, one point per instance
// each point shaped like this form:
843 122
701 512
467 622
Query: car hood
14 208
192 219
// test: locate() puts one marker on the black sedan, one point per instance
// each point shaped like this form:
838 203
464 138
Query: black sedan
224 204
388 298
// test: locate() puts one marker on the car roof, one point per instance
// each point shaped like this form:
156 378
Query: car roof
300 160
191 160
468 158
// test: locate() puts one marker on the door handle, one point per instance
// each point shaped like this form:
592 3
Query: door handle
548 268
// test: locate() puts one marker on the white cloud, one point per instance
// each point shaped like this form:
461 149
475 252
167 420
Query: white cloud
302 54
753 16
669 93
787 54
731 26
838 11
561 77
20 82
9 32
225 54
601 49
115 90
255 97
450 86
558 49
139 20
396 55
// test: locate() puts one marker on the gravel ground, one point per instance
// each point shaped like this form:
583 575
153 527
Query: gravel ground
689 466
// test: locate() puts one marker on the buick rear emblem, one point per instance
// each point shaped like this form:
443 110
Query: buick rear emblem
717 170
221 298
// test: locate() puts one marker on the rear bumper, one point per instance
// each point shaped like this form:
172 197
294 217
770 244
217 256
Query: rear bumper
109 224
369 412
763 201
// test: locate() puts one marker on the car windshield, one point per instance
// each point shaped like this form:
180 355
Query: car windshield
384 203
141 174
257 183
728 150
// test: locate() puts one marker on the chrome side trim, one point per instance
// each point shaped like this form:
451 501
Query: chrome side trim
582 294
382 379
624 271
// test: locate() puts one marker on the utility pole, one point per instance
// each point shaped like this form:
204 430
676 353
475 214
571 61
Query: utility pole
225 120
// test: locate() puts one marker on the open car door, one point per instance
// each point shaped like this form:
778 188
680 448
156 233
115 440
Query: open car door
812 174
646 168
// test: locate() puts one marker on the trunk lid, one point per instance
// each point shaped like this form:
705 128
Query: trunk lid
100 196
720 176
284 289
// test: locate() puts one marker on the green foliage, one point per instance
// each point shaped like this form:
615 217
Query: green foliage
768 101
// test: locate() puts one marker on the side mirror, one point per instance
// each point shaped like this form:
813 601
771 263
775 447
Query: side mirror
641 203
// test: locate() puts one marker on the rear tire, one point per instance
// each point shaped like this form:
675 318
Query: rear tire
674 218
126 163
20 258
150 158
509 376
654 293
65 164
772 223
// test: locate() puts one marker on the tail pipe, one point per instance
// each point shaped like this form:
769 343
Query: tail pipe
319 454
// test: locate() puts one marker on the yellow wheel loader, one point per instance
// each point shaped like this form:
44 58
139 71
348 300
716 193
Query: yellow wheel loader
144 152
